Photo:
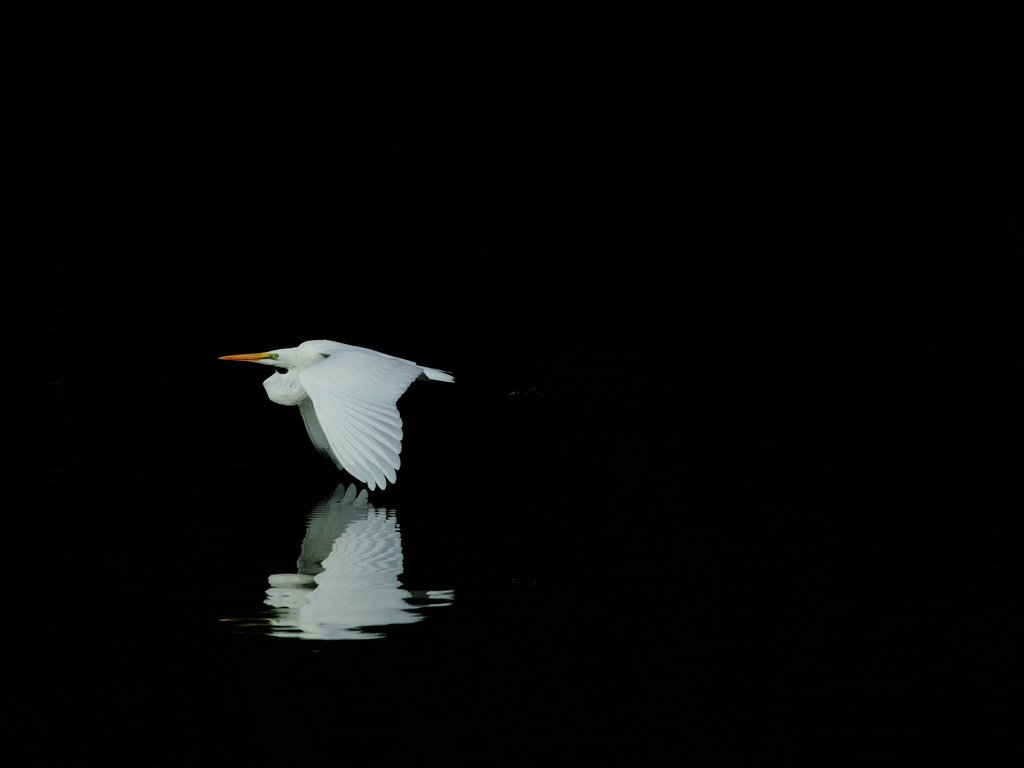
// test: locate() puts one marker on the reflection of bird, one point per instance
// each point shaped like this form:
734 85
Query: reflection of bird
348 574
347 396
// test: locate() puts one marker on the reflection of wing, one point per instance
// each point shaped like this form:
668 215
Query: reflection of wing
354 392
348 573
359 585
327 522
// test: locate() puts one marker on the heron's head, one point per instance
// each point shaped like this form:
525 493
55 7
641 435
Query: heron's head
282 358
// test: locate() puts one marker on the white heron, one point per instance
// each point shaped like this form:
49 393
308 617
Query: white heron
348 400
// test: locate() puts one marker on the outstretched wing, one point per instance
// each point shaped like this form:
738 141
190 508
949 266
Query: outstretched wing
354 392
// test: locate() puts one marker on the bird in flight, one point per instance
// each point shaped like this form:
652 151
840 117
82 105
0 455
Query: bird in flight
348 400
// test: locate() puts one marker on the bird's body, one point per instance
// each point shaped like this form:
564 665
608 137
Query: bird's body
348 400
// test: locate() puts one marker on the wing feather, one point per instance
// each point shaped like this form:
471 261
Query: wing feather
374 443
353 463
361 448
388 425
354 393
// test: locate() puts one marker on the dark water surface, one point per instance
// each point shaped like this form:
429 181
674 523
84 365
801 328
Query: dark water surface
778 614
730 473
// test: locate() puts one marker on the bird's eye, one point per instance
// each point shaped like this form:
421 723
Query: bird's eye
273 355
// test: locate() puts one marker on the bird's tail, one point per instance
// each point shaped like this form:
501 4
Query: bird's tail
436 375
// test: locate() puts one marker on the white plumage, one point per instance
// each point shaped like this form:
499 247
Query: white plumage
348 400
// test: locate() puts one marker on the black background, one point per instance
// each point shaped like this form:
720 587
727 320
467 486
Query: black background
732 304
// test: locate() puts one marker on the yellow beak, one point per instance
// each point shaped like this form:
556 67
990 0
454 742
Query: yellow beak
252 357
